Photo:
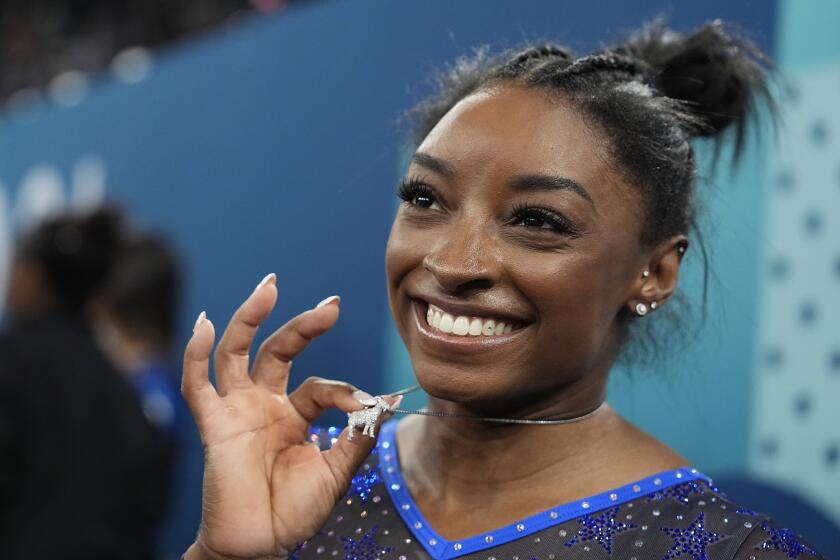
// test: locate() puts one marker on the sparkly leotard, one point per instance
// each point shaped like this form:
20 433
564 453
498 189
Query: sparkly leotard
675 515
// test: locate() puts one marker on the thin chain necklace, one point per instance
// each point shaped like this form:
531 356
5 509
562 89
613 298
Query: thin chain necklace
367 418
484 419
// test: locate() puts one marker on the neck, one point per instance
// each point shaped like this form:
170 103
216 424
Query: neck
129 354
453 454
462 455
510 471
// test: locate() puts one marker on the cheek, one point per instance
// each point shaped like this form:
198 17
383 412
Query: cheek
401 254
577 295
404 255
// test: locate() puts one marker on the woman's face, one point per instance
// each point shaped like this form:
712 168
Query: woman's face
512 215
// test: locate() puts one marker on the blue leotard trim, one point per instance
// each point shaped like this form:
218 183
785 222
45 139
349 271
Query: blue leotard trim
442 549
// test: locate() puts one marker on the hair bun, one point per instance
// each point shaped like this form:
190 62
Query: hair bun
715 73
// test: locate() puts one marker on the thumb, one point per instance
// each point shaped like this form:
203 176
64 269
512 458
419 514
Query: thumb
347 455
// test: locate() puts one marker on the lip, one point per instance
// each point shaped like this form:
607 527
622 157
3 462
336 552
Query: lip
455 343
471 310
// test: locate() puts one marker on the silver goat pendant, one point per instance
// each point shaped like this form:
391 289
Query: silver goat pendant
366 418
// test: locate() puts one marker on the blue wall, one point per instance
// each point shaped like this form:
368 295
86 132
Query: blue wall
795 427
272 147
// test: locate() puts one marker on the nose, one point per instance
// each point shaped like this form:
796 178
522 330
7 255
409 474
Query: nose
465 259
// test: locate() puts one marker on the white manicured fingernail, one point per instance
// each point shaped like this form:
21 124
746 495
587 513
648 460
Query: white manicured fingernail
268 278
329 300
364 398
201 317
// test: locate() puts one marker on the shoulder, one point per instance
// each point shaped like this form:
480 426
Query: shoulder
769 541
699 517
43 340
10 341
13 352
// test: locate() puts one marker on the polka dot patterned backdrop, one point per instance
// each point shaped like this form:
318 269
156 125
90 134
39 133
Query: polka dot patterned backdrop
796 412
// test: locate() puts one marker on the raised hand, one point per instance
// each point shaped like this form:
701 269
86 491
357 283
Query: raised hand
265 488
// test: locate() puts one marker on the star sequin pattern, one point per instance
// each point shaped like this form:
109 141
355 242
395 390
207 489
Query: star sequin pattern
692 540
601 528
784 540
362 484
679 492
366 548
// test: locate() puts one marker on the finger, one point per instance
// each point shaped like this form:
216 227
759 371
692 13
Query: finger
346 455
196 388
231 357
316 395
274 359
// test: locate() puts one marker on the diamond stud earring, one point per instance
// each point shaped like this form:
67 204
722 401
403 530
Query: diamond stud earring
641 309
645 274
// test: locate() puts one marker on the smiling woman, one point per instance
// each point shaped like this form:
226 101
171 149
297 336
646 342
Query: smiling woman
545 213
498 238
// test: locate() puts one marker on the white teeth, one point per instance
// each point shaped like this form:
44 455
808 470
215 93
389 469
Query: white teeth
446 323
462 325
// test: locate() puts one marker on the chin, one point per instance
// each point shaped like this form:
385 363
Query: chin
452 383
474 388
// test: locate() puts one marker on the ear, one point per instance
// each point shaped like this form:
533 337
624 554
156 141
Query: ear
658 279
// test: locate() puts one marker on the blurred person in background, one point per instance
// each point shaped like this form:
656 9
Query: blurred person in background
80 469
135 320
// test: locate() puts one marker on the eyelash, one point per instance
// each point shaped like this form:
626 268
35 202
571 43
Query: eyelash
411 188
559 223
408 189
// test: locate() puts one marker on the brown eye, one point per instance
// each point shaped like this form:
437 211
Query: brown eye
422 200
418 194
535 221
542 219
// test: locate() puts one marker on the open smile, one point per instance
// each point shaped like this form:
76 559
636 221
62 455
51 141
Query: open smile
446 328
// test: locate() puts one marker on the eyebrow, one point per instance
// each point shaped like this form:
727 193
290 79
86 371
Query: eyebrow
433 164
533 182
519 183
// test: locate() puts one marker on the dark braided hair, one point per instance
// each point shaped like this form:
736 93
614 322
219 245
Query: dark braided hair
649 96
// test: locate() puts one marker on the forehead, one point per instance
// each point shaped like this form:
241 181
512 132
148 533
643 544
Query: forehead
509 130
